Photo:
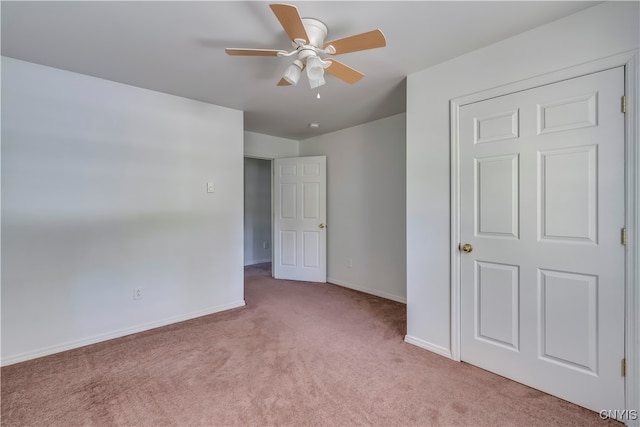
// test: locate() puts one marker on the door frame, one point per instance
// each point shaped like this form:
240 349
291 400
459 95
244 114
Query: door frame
629 60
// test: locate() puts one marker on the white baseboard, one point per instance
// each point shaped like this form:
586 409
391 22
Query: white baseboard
367 291
22 357
428 346
253 262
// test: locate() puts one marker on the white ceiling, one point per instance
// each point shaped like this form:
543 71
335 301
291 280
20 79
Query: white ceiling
178 48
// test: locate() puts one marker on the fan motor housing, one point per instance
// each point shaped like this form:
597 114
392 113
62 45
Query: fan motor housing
316 30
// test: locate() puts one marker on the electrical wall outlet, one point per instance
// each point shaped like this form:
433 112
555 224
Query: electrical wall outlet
137 293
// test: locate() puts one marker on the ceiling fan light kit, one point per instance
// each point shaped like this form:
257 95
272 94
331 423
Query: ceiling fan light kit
314 83
307 36
315 70
293 71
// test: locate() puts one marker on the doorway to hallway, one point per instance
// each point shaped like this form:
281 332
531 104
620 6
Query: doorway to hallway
257 212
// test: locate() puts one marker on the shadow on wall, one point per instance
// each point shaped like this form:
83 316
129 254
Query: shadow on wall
257 211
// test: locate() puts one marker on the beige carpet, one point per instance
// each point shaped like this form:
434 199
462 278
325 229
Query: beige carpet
298 354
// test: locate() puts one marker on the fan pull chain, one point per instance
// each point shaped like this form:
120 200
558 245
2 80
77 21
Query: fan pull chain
318 96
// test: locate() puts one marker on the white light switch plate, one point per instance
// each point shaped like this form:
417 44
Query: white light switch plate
210 188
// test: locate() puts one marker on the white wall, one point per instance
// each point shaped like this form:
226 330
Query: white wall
257 211
595 33
268 147
366 205
103 191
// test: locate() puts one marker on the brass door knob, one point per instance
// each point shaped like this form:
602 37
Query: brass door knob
322 226
466 248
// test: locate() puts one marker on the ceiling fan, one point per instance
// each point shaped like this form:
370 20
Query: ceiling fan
307 36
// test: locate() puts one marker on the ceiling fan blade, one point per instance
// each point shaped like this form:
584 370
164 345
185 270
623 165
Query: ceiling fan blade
290 20
343 72
370 40
253 52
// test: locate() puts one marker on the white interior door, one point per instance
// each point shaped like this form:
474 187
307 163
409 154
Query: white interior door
542 206
300 211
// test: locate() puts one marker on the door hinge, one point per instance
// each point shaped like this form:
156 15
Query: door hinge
624 367
623 104
623 236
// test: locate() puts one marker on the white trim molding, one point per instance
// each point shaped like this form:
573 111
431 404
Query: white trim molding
257 261
380 294
632 309
117 334
428 346
629 60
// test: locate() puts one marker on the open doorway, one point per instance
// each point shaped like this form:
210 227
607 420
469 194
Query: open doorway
257 213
